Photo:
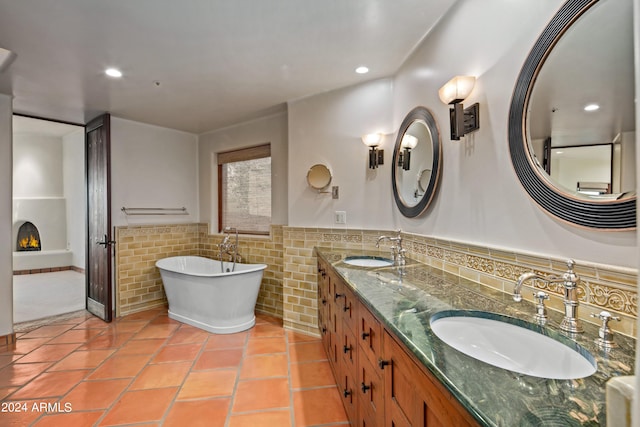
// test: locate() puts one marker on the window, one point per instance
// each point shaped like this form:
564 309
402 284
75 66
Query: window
244 189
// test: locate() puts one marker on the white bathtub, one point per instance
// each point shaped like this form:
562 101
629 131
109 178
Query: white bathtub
202 295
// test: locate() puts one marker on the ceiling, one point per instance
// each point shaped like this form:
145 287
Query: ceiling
199 65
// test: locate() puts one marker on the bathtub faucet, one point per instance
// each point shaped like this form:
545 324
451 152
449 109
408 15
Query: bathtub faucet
229 248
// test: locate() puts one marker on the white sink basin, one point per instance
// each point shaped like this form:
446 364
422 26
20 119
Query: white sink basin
509 346
368 261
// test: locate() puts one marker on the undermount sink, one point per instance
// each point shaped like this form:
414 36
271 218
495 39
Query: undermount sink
368 261
499 341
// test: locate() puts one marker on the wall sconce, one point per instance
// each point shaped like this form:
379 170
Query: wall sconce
408 143
376 157
463 120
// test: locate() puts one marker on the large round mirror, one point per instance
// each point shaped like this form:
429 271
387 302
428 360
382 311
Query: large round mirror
417 156
572 131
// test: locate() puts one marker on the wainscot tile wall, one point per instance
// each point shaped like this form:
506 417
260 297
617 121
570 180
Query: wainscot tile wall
289 284
138 281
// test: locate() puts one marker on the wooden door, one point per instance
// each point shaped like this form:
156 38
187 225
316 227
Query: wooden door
98 271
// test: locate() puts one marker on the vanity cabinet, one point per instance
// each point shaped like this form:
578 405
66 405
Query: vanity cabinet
380 382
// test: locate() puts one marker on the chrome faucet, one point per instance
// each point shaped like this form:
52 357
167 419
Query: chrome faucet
569 280
229 248
397 251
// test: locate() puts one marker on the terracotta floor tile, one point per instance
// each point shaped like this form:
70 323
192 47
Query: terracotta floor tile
18 374
176 353
307 351
71 419
93 323
266 345
311 374
80 336
262 419
216 342
199 413
24 417
156 331
318 406
140 406
266 330
50 384
228 358
188 334
124 327
106 340
206 384
164 319
262 318
8 359
295 337
82 360
253 395
121 366
264 366
90 395
24 346
163 375
6 391
49 353
48 331
141 346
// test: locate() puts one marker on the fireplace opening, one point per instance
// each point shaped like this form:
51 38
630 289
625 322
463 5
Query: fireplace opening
28 238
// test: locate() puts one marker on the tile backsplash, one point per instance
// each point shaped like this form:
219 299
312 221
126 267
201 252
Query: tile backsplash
289 284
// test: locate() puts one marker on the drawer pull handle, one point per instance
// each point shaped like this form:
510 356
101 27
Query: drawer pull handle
338 296
346 308
364 387
383 363
347 348
365 335
324 329
346 393
324 301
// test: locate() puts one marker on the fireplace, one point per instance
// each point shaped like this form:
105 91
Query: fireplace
28 238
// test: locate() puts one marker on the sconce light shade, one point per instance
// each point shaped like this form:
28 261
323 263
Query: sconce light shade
457 89
372 139
463 120
409 141
376 157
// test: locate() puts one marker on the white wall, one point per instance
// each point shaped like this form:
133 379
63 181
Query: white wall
152 167
636 54
480 199
75 195
37 166
327 128
270 129
6 243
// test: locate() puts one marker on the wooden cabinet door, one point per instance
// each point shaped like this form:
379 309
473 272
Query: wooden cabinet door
371 392
399 385
369 335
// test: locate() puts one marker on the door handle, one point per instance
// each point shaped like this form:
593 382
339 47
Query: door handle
105 242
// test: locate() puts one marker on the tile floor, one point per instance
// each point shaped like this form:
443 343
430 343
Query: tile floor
148 370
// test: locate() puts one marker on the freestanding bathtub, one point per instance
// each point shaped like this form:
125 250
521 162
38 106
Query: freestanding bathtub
204 294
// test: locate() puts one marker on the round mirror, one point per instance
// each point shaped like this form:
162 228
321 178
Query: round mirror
572 118
417 156
319 177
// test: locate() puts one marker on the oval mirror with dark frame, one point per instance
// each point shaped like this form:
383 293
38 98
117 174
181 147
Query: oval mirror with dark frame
572 117
417 159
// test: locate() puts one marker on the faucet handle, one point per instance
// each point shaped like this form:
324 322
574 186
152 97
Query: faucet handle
605 334
541 310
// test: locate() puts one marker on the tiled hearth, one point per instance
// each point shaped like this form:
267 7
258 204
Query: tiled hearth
146 369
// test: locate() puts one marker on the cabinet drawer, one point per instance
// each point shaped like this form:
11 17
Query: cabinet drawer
369 335
349 350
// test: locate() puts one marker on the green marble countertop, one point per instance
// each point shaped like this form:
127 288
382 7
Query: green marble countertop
494 396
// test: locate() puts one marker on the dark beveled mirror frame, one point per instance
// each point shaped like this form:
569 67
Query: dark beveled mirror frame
424 115
606 215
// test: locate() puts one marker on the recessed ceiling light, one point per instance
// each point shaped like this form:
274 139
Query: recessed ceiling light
591 107
113 72
362 70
